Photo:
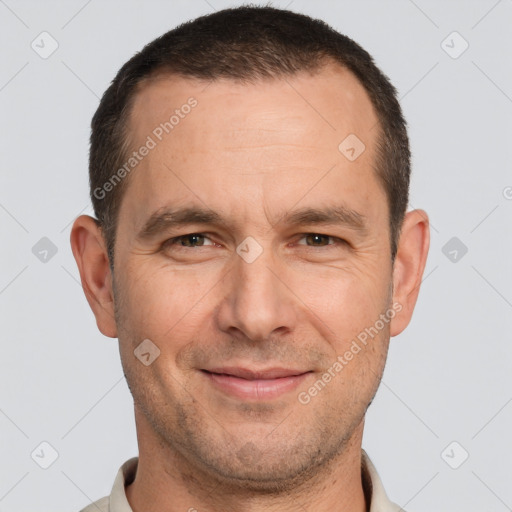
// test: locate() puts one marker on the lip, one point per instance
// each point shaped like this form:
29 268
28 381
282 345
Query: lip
267 373
255 385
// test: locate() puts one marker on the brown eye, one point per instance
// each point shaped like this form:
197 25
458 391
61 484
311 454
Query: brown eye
190 240
317 240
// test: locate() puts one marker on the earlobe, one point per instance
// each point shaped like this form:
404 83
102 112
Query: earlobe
90 253
409 265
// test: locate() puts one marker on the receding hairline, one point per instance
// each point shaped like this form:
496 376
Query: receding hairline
164 73
358 64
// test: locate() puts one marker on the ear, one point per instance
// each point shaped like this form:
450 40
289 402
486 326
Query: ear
91 256
408 267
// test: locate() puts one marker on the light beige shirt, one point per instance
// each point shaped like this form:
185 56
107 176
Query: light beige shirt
117 501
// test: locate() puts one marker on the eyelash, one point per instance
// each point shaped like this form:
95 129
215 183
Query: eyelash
174 241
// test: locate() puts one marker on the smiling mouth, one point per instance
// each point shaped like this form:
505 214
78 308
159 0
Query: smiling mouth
255 385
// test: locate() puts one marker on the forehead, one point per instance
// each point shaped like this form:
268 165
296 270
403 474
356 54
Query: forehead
331 99
267 141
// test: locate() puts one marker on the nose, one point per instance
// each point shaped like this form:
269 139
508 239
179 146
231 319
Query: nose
258 299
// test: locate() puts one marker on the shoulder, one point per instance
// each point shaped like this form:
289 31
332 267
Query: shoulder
102 505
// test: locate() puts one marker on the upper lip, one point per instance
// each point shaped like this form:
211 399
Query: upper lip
267 373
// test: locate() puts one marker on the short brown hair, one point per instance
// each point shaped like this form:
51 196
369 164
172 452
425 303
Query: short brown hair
245 43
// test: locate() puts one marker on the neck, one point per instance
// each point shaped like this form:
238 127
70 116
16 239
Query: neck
167 481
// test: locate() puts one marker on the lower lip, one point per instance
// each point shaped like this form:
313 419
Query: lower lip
257 389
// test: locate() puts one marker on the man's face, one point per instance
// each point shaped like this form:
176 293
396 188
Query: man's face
294 296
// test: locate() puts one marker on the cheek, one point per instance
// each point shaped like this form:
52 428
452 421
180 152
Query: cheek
156 299
163 307
346 301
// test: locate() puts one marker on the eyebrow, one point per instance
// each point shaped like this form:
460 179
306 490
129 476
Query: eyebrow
334 215
165 219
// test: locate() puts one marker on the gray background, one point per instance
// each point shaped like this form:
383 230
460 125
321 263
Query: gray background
448 375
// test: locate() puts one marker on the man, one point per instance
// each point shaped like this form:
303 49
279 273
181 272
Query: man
249 171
